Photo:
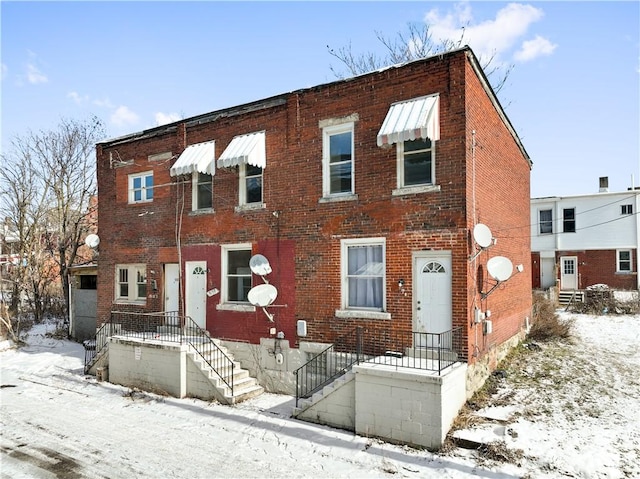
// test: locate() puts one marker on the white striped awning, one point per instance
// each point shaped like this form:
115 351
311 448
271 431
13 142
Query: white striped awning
198 157
411 119
248 149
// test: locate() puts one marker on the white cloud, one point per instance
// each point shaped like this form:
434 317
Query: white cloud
103 103
34 75
535 48
76 97
3 71
164 118
123 116
493 37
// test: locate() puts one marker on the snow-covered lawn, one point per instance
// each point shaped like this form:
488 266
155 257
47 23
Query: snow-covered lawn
569 409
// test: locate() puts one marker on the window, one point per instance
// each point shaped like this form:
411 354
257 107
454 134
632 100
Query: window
624 261
363 274
546 222
131 283
569 220
415 163
236 273
202 191
626 209
250 184
337 160
141 187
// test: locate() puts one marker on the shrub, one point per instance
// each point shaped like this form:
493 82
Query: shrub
547 325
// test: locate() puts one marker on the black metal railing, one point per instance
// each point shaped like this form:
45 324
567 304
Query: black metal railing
397 349
412 349
166 326
210 352
329 364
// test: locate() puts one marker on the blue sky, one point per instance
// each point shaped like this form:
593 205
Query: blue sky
573 95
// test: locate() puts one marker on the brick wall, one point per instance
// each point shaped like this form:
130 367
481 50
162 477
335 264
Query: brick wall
302 240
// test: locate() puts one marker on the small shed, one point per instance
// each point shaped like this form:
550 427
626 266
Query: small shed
83 300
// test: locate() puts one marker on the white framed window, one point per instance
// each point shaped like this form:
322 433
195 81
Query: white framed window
363 274
337 160
141 187
236 278
202 191
624 261
626 209
416 163
250 184
131 283
545 221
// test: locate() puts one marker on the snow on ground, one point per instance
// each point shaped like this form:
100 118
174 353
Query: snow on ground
572 409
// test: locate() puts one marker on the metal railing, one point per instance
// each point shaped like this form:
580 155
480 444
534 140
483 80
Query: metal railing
166 326
397 349
210 352
329 364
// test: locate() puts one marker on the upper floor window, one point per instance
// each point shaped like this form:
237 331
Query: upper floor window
236 280
141 187
363 274
626 209
250 184
569 220
624 261
131 283
202 191
415 163
546 221
337 160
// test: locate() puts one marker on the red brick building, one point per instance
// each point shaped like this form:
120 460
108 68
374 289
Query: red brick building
362 193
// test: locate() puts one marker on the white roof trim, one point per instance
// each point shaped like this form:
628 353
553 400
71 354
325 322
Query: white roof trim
198 157
248 149
411 119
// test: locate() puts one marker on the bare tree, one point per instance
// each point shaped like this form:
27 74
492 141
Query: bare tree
48 189
416 43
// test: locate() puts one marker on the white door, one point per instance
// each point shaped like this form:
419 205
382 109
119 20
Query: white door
547 269
172 290
196 292
433 298
569 272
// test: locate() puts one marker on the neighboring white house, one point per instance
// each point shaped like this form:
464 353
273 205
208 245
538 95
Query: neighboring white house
578 241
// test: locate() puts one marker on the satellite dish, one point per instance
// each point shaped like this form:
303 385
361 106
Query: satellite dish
482 235
92 241
259 265
262 295
500 268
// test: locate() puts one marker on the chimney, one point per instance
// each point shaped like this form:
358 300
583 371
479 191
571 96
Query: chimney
604 184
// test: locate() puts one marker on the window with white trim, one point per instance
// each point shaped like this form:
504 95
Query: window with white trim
624 261
236 273
363 274
202 188
545 221
250 184
415 163
626 209
337 160
141 187
131 283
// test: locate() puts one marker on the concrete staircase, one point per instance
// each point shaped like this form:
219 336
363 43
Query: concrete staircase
217 369
306 403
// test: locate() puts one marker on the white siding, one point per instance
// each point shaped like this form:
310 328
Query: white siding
599 222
